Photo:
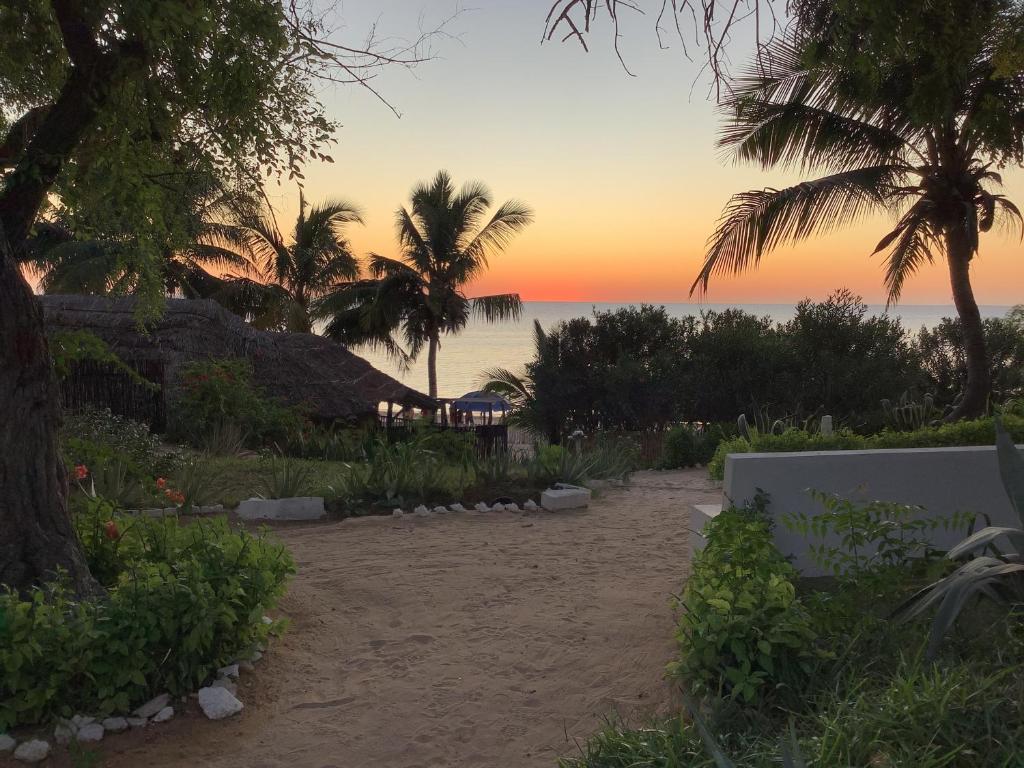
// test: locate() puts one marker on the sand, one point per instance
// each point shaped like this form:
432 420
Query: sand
463 640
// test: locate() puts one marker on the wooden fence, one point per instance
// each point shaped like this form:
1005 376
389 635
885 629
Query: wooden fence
100 385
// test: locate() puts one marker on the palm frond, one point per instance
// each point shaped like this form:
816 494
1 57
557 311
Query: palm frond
756 222
912 243
492 309
510 219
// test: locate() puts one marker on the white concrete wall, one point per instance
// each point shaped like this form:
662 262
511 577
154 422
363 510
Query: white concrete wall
942 480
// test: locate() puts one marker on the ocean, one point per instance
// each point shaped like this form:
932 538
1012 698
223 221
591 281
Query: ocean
462 359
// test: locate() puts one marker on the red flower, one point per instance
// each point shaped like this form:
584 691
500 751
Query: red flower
81 472
161 483
111 530
176 497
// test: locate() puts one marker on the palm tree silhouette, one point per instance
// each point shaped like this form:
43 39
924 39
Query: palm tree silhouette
445 240
292 277
934 174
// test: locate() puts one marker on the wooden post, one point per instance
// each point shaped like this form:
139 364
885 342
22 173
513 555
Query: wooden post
391 410
490 415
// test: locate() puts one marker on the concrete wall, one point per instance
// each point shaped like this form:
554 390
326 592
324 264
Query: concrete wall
942 480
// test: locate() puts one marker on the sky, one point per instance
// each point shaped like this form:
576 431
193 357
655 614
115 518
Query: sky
622 171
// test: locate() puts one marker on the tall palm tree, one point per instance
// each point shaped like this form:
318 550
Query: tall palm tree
292 277
929 166
445 240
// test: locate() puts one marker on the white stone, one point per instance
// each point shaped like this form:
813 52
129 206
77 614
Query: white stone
153 706
163 715
218 703
136 722
115 724
6 743
63 732
513 507
826 425
456 508
256 656
440 510
481 507
397 513
227 685
530 505
565 497
298 508
231 670
33 751
90 733
422 511
79 721
267 620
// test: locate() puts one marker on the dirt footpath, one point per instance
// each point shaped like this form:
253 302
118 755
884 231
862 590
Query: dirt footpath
462 640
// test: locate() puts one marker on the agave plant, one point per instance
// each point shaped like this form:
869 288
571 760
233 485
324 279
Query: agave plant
995 575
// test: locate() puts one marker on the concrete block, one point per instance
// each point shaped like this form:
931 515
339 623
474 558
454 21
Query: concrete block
298 508
565 497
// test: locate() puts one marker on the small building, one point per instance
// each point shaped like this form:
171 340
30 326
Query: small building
330 382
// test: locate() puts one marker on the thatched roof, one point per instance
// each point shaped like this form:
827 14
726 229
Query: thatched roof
298 368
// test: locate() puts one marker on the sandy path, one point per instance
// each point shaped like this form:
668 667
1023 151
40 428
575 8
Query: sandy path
465 640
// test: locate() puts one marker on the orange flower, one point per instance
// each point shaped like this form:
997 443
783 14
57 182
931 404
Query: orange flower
111 530
161 483
81 472
175 496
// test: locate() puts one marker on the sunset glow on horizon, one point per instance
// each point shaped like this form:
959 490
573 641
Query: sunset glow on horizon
622 172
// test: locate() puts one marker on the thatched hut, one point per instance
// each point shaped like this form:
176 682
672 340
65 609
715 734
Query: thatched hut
321 375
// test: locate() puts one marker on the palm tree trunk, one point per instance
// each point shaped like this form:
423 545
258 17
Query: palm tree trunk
976 390
432 364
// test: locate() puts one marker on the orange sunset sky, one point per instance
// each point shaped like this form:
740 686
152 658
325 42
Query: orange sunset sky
622 171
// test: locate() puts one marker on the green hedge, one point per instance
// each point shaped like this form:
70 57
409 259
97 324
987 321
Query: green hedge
181 601
742 627
977 432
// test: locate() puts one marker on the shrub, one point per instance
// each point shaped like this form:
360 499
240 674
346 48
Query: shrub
94 436
975 432
181 601
742 630
219 394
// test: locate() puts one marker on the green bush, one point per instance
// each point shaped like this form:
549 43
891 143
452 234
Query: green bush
742 630
976 432
216 394
181 601
94 436
688 447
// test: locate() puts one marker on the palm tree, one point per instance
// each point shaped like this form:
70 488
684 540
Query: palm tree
882 151
292 277
444 244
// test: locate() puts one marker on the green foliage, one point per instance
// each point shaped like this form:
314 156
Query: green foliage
181 601
93 435
397 474
688 447
70 347
870 538
941 351
285 478
181 95
974 432
218 395
908 414
743 632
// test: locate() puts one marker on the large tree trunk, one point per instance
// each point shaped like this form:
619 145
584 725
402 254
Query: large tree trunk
432 365
36 536
974 402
